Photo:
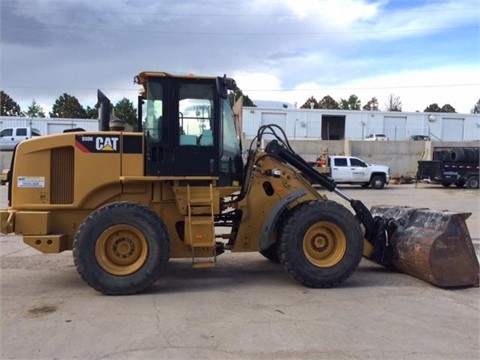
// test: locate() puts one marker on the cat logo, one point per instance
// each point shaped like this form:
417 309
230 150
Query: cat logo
106 143
101 144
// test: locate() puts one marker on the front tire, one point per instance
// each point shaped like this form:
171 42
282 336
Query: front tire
321 244
377 182
121 248
271 253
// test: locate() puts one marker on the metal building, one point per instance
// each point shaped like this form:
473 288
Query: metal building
324 124
48 126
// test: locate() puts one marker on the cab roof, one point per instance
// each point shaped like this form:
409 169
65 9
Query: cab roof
143 77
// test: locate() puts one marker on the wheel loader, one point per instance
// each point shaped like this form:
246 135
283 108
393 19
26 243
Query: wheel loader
181 186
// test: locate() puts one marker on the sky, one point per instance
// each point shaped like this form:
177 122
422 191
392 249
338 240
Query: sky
423 52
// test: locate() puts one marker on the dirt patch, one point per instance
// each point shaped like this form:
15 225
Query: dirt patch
42 310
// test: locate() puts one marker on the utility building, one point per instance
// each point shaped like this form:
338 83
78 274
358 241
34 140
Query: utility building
321 124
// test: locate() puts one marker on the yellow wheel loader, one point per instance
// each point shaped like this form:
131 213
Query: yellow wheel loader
178 187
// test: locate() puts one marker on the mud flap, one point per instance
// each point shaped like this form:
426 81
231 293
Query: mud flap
431 245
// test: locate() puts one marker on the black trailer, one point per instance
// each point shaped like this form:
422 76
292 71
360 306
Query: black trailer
451 165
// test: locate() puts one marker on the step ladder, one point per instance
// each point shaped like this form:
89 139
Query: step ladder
200 226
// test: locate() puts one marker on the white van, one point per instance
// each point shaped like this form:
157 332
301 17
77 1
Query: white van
9 137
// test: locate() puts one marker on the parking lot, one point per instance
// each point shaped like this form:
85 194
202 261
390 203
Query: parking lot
245 308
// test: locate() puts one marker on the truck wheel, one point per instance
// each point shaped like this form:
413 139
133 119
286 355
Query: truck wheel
377 182
121 248
321 243
472 182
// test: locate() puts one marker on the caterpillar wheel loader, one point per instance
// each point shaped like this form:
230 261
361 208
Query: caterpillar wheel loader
178 186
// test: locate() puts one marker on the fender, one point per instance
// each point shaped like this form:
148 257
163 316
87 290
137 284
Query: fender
274 215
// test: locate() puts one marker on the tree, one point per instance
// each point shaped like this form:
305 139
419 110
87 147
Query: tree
67 106
432 108
35 110
125 111
393 103
236 94
8 107
92 113
476 108
447 108
371 105
311 103
353 103
328 103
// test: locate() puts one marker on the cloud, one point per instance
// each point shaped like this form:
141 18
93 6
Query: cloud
334 13
416 89
285 50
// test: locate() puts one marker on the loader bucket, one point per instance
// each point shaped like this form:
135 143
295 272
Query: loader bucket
434 246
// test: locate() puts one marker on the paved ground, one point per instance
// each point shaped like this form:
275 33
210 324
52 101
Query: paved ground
246 308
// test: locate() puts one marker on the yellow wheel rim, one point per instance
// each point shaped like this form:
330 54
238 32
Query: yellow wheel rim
121 250
324 244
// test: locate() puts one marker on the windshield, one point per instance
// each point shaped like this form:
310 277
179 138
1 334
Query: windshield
231 140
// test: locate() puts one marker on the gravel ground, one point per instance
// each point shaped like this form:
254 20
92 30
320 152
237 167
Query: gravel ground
245 308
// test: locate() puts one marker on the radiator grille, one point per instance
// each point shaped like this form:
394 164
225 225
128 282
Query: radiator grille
62 175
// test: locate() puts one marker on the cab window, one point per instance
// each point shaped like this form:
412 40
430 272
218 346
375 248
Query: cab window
231 142
340 162
6 132
154 121
196 113
357 162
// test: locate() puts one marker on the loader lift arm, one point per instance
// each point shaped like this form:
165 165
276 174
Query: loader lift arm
275 149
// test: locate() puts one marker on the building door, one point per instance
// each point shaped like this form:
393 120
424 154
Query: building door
279 119
452 129
333 127
395 127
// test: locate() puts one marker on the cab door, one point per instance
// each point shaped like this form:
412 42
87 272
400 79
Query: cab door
7 139
196 149
359 170
340 169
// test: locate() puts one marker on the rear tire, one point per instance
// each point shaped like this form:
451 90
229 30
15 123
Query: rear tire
121 248
321 244
472 182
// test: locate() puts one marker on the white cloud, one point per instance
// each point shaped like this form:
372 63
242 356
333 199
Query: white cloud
339 14
261 86
417 89
285 50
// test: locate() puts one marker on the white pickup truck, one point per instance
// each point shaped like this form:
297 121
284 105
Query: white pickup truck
9 137
352 170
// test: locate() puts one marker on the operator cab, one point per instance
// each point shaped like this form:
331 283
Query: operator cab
189 126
